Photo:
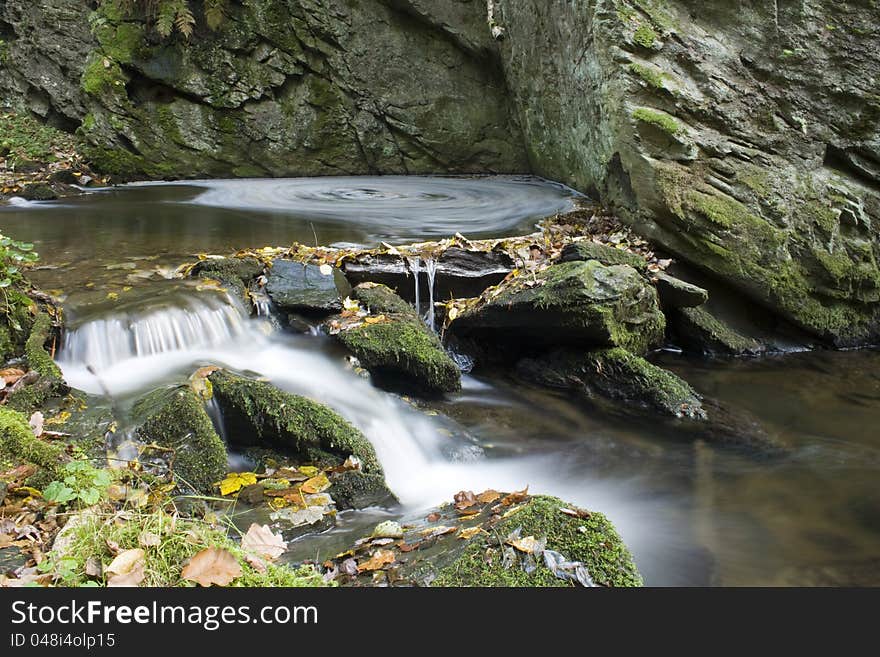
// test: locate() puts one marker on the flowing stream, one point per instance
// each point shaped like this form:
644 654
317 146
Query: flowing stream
692 513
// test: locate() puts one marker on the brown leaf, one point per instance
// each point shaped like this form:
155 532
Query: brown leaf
349 567
516 497
256 562
488 496
469 533
113 546
433 517
408 547
94 567
260 540
464 499
127 569
10 375
316 484
212 566
149 539
379 559
576 512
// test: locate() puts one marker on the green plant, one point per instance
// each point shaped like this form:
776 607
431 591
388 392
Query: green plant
81 481
13 256
169 15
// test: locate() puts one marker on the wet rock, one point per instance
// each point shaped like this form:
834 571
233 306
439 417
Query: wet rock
4 487
290 522
236 274
459 273
34 391
584 303
698 330
607 255
258 413
12 558
38 192
305 288
676 293
176 418
399 351
617 375
358 490
64 176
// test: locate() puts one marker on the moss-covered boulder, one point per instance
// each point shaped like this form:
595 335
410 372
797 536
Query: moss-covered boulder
50 382
698 330
587 537
258 413
398 349
616 375
607 255
235 273
584 303
676 293
176 418
18 443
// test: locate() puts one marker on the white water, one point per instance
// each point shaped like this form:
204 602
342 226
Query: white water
430 271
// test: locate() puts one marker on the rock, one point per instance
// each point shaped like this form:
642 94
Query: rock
583 303
176 418
256 412
38 192
12 558
4 487
303 288
617 375
459 273
290 522
357 490
64 176
607 255
17 443
31 166
683 115
591 540
401 350
676 293
50 383
234 273
696 329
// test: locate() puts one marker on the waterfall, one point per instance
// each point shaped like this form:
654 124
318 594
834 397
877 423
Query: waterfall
414 268
430 271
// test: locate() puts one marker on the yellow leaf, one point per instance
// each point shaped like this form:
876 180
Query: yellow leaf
235 481
350 304
113 296
470 532
61 418
308 470
452 313
374 320
379 559
316 484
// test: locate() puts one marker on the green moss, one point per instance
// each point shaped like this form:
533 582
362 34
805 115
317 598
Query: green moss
17 442
607 255
653 77
27 138
177 419
102 75
381 299
755 178
37 357
180 540
661 120
122 42
168 122
591 540
645 37
256 411
699 330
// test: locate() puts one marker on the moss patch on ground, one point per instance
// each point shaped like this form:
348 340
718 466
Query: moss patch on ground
591 540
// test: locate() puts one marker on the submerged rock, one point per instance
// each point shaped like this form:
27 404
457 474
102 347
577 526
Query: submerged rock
459 273
696 329
676 293
176 418
618 375
582 302
258 413
295 286
399 350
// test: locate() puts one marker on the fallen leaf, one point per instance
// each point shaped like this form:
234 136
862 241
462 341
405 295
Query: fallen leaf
464 499
112 546
94 567
379 559
350 305
212 566
469 533
388 529
515 497
431 532
36 423
408 547
575 513
255 562
488 496
126 569
433 517
377 319
529 544
260 540
308 470
349 567
149 539
11 374
316 484
326 270
235 481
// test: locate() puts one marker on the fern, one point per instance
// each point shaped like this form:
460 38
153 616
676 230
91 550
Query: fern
184 20
175 15
215 13
166 12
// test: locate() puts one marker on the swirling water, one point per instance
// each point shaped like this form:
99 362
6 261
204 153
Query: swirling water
692 513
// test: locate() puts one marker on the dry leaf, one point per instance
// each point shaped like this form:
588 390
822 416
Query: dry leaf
528 544
36 423
379 559
113 546
260 540
94 567
212 566
127 569
433 517
488 496
11 374
255 562
464 499
575 513
469 533
516 497
316 484
378 319
149 539
349 567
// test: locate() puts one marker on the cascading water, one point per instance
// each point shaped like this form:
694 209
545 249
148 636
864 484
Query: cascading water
414 268
430 272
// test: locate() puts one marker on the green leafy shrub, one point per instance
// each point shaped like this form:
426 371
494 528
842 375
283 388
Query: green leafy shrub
169 16
81 482
13 257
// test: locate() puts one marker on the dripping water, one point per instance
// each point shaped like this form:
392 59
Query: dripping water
430 271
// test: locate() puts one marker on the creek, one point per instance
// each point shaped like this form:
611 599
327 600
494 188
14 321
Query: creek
693 514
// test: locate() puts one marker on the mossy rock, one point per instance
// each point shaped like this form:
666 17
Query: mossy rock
676 293
235 273
607 255
38 192
617 375
51 383
400 352
358 490
17 442
584 303
591 540
258 413
698 330
176 418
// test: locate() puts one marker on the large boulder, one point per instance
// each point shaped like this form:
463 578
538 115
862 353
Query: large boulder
398 349
176 418
617 375
729 133
580 302
300 287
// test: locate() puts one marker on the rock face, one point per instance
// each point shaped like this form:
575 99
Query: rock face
284 87
399 351
743 137
581 302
